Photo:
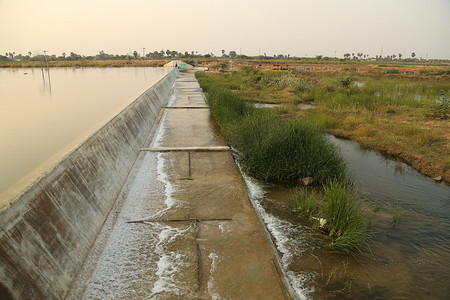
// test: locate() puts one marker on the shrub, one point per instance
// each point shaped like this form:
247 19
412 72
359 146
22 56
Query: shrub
392 71
346 81
440 110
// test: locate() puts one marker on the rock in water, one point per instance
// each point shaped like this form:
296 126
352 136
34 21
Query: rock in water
439 178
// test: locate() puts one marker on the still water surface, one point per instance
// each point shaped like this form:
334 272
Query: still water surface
44 115
406 260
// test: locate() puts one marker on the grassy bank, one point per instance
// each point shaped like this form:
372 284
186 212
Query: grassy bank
269 147
403 119
277 149
403 114
400 114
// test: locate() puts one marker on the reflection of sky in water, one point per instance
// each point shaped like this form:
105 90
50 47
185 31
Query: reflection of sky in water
38 126
424 204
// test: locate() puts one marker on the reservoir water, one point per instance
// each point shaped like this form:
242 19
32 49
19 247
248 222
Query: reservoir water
44 115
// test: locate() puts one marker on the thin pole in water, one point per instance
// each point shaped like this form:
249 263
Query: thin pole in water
43 77
48 72
46 62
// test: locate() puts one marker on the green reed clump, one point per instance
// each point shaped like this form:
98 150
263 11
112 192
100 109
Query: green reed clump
346 222
305 202
396 216
275 149
271 148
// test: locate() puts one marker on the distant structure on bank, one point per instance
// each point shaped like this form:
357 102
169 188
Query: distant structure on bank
180 64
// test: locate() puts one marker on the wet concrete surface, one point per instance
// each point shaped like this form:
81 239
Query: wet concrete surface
176 233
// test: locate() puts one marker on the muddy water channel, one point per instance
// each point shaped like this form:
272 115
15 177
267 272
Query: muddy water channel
407 259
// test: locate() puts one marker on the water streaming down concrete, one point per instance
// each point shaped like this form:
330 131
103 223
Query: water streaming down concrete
47 231
176 233
174 237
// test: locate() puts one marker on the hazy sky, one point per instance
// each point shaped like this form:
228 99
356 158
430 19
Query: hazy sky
295 27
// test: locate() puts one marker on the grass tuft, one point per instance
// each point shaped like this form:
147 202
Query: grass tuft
346 222
396 216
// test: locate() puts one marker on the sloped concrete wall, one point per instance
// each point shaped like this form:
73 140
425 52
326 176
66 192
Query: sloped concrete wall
47 231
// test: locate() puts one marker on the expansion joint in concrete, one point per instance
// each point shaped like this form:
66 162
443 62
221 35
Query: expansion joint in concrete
199 259
186 107
179 220
188 149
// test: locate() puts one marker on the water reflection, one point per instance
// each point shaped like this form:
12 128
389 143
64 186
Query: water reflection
393 183
43 116
44 90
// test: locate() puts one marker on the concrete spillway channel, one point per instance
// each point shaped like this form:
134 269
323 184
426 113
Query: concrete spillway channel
182 226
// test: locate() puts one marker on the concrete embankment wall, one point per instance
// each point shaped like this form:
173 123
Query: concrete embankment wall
47 231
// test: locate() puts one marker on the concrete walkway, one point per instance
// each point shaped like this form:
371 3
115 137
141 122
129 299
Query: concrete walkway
183 226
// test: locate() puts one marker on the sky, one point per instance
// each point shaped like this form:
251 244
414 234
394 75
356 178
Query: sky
294 27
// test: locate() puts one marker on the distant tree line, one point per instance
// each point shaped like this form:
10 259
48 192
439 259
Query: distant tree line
362 56
102 55
172 54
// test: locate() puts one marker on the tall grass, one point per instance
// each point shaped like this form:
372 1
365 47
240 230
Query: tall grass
346 222
371 94
271 148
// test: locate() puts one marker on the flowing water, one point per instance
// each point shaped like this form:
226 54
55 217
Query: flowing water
408 259
45 114
172 235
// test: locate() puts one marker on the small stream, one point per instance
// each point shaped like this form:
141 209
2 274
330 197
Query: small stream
409 259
